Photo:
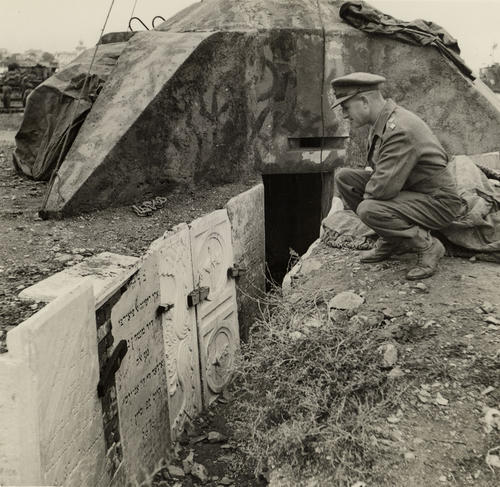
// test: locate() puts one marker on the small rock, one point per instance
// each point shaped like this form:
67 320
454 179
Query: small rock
423 396
296 335
420 286
175 471
493 460
393 419
410 456
491 319
226 481
187 463
346 300
63 258
310 265
335 315
487 307
390 355
312 323
395 373
443 478
491 419
369 318
216 437
199 472
441 400
487 390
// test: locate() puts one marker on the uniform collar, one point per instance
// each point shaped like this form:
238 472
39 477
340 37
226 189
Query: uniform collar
383 117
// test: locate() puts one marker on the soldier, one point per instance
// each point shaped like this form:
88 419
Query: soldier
6 95
410 190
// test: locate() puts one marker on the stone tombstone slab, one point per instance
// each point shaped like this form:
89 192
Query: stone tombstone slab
141 385
218 334
247 217
58 347
179 327
105 271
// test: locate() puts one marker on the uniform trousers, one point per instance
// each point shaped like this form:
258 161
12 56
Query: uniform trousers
401 217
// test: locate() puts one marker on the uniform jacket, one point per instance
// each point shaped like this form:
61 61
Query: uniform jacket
406 155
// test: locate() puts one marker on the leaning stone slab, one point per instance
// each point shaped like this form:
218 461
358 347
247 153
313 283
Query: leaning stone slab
51 429
105 271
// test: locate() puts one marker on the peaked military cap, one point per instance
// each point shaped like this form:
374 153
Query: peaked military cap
350 85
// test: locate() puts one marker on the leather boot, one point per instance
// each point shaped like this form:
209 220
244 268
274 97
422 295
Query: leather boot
382 251
427 261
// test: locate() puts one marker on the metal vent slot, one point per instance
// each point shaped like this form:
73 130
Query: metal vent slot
316 143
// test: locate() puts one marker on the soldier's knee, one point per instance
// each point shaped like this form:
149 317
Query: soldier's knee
343 175
368 211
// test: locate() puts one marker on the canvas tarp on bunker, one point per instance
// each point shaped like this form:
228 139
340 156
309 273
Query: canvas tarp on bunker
57 106
228 90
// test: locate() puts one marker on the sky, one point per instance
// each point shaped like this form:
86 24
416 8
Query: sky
58 25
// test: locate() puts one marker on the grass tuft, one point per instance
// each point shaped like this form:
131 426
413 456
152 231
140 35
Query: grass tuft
308 402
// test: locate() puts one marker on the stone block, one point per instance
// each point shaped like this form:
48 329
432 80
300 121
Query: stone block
60 416
106 272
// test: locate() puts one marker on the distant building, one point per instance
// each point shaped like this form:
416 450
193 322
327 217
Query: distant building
490 75
65 57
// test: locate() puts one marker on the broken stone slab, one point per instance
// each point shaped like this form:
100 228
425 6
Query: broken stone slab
346 300
105 271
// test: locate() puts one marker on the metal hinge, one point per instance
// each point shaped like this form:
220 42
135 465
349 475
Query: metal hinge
197 296
164 308
236 271
112 365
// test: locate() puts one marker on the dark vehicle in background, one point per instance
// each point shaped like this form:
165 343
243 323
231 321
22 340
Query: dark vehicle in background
18 82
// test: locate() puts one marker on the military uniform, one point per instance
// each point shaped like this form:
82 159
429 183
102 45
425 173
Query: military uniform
410 183
410 190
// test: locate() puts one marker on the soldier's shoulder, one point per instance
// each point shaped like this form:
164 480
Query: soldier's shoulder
403 120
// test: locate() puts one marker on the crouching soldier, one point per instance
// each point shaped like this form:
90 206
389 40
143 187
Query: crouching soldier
410 190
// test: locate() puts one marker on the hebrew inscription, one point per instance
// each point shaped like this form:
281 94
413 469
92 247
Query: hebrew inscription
141 383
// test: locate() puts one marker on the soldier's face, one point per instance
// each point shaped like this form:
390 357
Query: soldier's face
357 111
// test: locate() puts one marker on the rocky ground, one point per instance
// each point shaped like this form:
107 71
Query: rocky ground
443 349
32 249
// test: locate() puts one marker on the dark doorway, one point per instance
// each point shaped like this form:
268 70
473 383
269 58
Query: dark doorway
295 205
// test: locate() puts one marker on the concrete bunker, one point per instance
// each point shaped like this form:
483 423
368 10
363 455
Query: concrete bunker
265 113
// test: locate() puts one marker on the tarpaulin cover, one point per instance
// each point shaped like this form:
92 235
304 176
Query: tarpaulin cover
419 32
478 230
53 105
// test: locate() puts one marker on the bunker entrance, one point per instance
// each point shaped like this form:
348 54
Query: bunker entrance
295 204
